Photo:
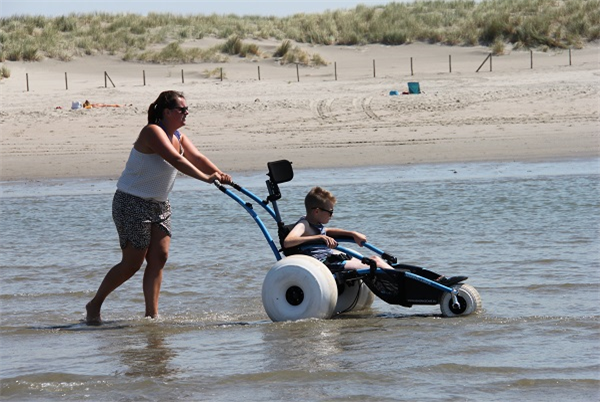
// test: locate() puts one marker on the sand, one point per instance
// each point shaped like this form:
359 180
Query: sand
308 114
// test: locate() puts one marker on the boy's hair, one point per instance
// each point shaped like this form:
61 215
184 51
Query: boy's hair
317 197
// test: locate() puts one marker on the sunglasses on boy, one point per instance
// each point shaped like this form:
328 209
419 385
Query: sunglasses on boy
329 211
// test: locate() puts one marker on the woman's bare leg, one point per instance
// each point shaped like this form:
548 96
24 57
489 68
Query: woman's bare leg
131 262
156 258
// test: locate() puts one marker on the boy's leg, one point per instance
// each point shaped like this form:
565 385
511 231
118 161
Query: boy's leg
355 263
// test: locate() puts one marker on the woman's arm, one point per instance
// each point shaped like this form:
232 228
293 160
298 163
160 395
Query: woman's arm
152 139
199 160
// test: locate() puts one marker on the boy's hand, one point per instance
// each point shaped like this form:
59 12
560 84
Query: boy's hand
359 238
329 241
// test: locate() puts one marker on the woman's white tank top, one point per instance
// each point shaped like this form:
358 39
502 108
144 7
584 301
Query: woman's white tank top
147 176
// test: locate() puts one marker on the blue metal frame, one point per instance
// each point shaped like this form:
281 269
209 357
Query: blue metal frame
248 207
274 212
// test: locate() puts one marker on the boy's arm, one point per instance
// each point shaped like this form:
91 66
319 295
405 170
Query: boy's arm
297 236
358 237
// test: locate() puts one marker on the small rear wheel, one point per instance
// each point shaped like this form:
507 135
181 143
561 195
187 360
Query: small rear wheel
468 299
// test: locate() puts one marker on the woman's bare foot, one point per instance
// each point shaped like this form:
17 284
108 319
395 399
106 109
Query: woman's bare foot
93 315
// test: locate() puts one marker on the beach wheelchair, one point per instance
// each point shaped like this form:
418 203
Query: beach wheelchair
299 286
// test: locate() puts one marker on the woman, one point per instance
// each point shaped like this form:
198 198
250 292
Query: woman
141 208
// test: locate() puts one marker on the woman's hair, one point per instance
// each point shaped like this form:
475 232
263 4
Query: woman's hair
166 100
317 197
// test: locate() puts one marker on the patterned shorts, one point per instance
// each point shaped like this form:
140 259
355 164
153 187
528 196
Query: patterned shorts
134 217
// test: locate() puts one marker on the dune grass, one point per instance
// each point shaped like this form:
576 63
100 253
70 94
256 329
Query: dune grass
161 38
214 73
4 72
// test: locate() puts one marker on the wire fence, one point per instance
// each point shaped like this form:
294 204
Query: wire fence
220 74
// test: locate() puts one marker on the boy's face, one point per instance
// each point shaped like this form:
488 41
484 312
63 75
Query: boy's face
323 214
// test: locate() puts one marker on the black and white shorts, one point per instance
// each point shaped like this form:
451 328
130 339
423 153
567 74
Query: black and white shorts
134 217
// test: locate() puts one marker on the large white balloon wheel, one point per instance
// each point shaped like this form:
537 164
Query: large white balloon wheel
299 287
354 296
468 299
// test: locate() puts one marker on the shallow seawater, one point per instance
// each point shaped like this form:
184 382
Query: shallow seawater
526 234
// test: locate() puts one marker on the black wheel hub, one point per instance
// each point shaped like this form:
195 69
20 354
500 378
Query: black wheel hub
294 295
461 309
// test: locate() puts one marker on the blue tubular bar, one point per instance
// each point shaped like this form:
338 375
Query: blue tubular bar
437 285
349 251
373 248
254 215
367 271
259 201
365 244
429 282
388 257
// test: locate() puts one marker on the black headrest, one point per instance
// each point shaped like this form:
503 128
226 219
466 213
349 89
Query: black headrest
280 171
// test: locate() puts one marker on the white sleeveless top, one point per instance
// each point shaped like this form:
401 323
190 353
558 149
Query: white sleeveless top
147 176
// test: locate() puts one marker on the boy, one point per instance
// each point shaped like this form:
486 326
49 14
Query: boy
319 205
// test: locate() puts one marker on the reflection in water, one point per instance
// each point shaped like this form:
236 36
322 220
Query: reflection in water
312 357
301 346
146 354
300 353
312 345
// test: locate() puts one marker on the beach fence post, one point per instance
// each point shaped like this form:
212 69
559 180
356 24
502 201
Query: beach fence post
144 76
411 67
105 82
27 80
450 63
221 74
569 56
489 56
182 79
298 72
374 71
66 82
259 73
335 69
531 59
